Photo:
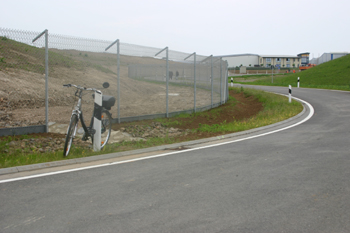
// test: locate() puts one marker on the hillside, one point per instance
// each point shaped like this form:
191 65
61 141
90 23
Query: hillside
334 74
22 89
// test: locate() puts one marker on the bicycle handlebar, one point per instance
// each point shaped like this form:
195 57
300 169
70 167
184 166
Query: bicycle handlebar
79 87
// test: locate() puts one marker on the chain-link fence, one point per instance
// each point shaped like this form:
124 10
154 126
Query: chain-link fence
147 82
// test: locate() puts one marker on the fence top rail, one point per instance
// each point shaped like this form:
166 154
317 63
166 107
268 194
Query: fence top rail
40 35
64 42
116 41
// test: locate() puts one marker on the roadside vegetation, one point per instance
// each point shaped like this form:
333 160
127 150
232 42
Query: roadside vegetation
265 109
334 74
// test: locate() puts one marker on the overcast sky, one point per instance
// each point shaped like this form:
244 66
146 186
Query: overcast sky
218 27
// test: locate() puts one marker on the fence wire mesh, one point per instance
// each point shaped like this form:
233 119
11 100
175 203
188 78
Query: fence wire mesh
143 85
22 66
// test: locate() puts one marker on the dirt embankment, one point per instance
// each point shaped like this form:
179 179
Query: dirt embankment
244 108
22 89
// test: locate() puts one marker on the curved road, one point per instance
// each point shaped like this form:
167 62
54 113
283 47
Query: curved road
295 180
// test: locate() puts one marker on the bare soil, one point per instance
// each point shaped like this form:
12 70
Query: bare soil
245 108
22 91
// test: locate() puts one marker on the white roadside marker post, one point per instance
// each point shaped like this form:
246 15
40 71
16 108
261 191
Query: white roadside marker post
290 94
97 120
231 82
298 82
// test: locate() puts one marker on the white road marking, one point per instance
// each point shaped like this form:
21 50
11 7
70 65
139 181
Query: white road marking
26 222
166 154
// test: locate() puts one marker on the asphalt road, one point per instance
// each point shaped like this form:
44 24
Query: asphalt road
295 180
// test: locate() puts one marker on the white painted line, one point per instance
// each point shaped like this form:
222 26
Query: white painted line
170 153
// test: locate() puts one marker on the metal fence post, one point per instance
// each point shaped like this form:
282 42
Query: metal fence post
211 79
220 80
118 76
167 78
226 82
47 80
167 82
118 79
194 73
194 82
46 32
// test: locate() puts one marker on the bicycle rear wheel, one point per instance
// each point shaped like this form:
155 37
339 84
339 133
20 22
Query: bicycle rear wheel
106 127
72 129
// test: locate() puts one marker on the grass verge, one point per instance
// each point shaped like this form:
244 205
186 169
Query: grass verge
211 123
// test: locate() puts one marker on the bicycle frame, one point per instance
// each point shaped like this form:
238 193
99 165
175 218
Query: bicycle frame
77 111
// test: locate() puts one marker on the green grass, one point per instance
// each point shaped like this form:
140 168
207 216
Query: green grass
24 157
276 108
334 74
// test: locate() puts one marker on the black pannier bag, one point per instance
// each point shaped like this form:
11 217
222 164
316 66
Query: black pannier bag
108 101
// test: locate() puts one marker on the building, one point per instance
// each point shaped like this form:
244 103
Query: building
279 61
305 60
327 57
256 60
237 60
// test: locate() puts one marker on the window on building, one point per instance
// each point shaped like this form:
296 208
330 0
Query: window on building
287 59
268 60
278 59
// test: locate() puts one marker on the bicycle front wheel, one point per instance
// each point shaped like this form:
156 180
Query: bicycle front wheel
106 127
72 129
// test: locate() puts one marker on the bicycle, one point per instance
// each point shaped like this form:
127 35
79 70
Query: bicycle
77 114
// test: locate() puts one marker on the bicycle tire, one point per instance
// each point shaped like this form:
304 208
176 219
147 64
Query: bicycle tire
72 129
106 127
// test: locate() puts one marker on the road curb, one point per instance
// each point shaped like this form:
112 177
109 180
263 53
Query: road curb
4 171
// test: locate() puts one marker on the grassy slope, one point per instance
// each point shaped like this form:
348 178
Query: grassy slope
329 75
21 56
